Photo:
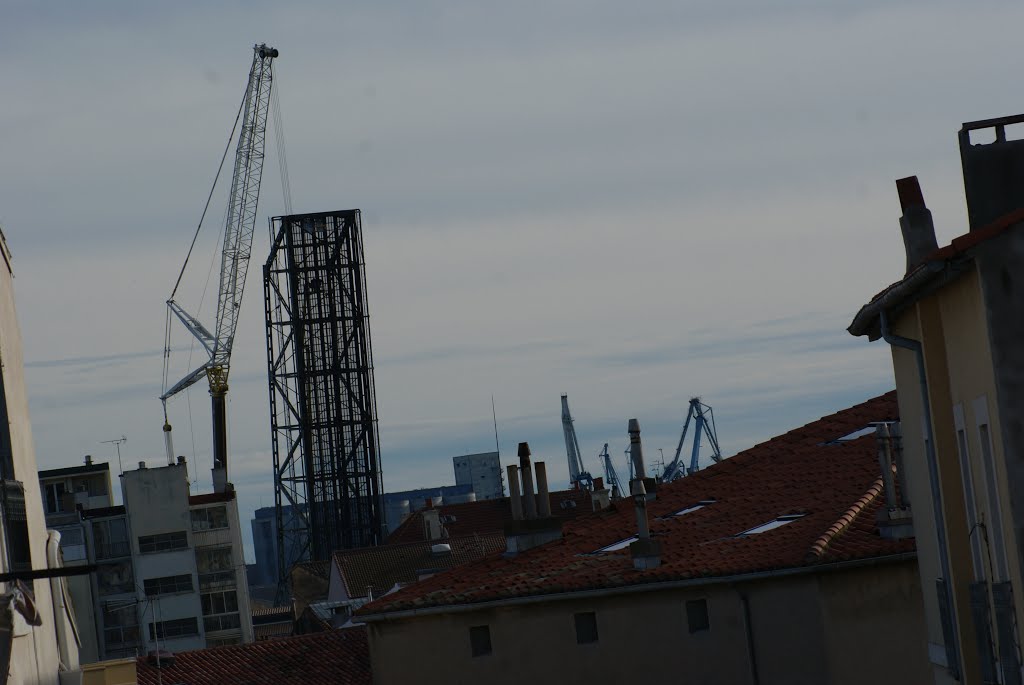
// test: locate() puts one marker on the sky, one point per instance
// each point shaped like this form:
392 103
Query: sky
632 203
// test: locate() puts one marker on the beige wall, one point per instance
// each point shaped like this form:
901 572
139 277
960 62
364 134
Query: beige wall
34 656
952 327
797 629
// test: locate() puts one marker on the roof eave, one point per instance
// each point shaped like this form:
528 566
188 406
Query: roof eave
630 589
922 281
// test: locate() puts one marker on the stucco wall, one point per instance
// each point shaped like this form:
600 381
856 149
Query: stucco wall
796 627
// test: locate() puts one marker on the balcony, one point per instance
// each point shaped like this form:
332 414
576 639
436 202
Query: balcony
113 550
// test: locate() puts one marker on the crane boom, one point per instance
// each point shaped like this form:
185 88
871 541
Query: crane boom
238 233
610 476
704 424
578 475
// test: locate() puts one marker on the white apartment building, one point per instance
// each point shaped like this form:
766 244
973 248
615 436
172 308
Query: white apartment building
483 472
170 570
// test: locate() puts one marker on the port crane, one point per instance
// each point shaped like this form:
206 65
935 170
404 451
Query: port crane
579 477
704 423
238 234
610 477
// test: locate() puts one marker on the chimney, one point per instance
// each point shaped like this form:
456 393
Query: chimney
636 450
543 499
142 464
220 477
88 460
993 171
894 519
515 498
636 455
432 524
646 553
916 223
529 503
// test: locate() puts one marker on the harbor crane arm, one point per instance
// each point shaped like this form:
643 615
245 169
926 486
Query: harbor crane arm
238 233
578 475
704 424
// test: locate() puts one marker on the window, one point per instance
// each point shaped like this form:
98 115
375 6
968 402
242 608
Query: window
616 546
970 505
771 525
216 567
697 615
55 497
586 628
179 627
72 543
995 519
223 641
210 518
167 585
480 640
164 542
115 578
111 537
120 624
683 512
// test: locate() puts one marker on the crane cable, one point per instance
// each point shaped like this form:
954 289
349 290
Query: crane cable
206 207
282 158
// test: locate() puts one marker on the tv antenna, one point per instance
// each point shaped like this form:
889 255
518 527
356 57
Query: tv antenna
117 443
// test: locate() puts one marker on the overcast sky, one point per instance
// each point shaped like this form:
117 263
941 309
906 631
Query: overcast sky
632 203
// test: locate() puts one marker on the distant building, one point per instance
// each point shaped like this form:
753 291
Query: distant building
170 571
772 566
483 472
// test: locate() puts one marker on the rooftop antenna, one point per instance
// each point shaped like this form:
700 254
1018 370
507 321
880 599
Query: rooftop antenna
497 445
117 443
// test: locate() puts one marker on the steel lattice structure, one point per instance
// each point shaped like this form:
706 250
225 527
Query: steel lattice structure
323 410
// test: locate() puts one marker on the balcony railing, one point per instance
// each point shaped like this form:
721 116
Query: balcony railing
113 550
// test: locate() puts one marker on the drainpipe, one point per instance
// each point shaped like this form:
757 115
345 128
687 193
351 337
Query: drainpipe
933 476
749 629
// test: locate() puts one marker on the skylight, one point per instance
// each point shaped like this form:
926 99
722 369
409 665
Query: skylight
699 505
771 525
869 430
616 546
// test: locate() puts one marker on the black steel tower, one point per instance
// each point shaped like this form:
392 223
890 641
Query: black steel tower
323 412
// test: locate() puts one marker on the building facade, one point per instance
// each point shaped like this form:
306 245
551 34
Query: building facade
169 573
483 472
955 323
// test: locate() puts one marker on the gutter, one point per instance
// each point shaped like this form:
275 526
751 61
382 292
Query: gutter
864 323
633 589
933 479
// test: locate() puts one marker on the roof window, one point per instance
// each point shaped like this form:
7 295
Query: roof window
771 525
859 433
688 510
616 546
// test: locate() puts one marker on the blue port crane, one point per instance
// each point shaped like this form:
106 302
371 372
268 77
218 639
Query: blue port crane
579 477
611 478
704 424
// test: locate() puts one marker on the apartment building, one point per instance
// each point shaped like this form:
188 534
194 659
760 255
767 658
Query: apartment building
169 573
955 323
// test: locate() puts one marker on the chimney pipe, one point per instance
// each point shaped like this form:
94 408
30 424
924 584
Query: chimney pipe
636 450
515 499
543 499
88 460
885 462
639 493
529 502
916 223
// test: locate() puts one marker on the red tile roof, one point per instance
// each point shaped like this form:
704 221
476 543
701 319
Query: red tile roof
383 566
328 658
834 485
487 516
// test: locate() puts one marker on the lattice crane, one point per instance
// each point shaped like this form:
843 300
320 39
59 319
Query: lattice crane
238 233
704 422
610 477
578 475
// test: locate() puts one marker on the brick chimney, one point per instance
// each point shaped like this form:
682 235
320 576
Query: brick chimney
527 529
916 223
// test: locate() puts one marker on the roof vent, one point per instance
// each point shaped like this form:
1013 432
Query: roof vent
160 658
441 549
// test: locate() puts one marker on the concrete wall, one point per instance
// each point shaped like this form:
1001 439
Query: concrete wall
796 627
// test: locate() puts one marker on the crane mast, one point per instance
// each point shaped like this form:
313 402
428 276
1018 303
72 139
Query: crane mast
238 233
578 476
704 423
